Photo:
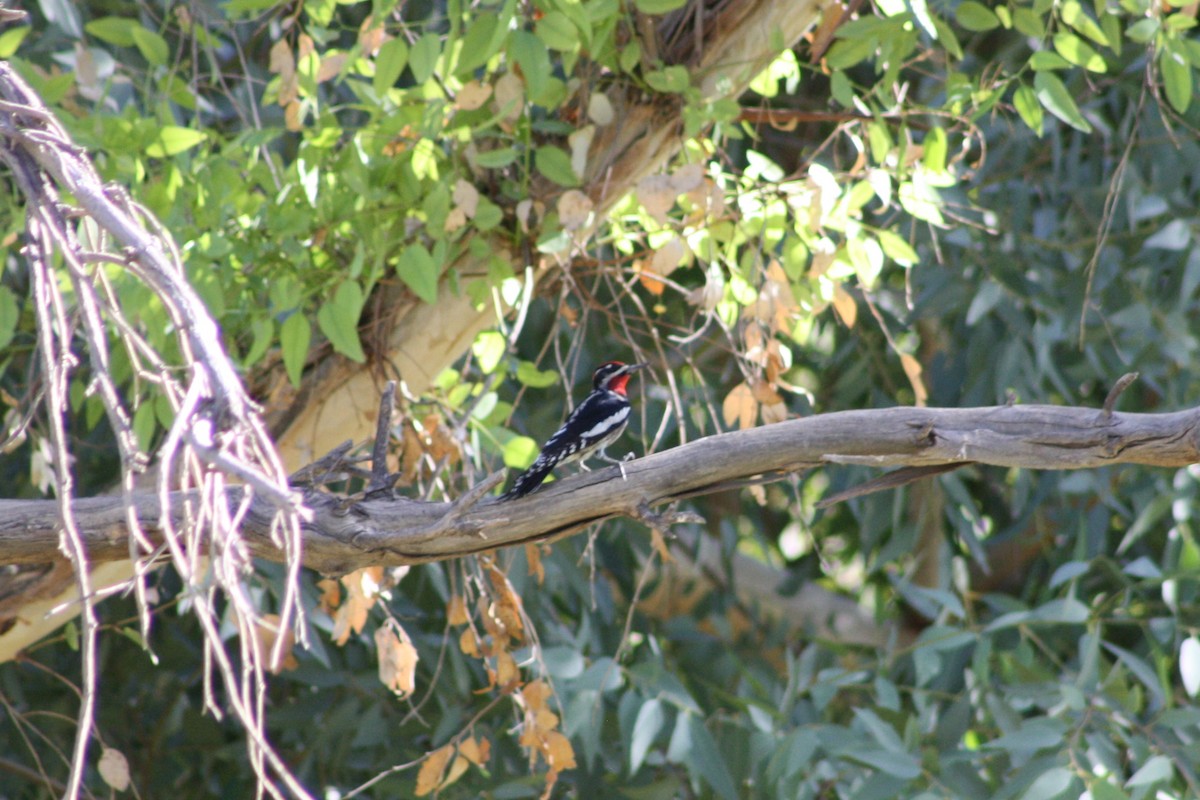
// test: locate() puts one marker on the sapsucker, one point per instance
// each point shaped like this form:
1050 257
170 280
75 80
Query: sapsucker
592 426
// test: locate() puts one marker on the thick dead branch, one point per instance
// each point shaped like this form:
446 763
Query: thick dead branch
394 532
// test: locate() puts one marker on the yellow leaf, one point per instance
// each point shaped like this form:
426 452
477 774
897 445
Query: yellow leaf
468 642
456 611
362 589
456 771
533 556
912 368
397 660
506 608
660 545
477 751
507 673
430 775
472 95
740 406
559 753
331 595
845 306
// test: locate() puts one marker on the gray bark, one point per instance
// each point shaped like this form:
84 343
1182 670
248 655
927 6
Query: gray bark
344 536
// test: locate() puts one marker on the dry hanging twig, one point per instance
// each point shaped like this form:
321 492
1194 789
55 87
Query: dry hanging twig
217 431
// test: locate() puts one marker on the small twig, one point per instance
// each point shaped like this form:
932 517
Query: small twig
662 521
381 480
468 500
1121 385
332 461
892 480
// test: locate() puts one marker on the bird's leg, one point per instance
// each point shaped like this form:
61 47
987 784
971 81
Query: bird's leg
620 462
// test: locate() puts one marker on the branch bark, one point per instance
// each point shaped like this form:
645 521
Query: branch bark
342 537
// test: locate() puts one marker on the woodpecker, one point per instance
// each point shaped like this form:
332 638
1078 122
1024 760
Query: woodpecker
592 426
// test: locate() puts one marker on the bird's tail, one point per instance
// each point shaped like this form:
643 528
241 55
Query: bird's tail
529 480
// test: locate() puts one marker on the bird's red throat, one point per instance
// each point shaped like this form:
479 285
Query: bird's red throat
618 383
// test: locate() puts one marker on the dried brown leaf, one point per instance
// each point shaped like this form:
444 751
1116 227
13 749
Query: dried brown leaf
574 209
429 777
114 768
472 95
740 406
845 306
657 195
397 660
456 611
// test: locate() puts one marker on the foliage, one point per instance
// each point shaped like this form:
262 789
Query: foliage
913 226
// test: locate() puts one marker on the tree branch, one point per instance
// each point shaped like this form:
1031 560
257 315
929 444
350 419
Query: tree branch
340 538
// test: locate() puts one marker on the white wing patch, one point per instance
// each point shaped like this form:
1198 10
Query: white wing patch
607 424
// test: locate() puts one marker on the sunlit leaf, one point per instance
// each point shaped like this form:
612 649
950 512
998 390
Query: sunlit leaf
172 140
1052 94
338 320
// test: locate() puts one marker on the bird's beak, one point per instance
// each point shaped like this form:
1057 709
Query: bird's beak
635 367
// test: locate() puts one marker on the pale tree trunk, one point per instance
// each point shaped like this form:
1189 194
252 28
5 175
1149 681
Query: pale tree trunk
726 43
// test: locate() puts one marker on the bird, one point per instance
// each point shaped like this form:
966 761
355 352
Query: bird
592 426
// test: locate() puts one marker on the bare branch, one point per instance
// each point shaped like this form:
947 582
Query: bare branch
339 539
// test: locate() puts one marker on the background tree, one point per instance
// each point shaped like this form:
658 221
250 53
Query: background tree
476 198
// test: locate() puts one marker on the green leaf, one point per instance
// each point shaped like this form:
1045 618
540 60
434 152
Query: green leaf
480 43
1103 790
936 148
338 320
114 30
529 375
555 164
11 39
1052 94
424 56
1028 22
389 63
9 315
897 249
294 336
649 722
534 60
976 16
706 759
1044 59
144 425
519 452
1078 52
173 140
1143 30
557 31
495 159
659 6
1049 784
1156 770
1026 101
1176 78
1073 14
152 46
489 347
920 10
420 272
264 331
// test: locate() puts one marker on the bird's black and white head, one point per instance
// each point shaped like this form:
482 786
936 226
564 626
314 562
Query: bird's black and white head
614 375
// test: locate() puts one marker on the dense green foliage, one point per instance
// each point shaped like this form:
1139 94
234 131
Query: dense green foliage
994 202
